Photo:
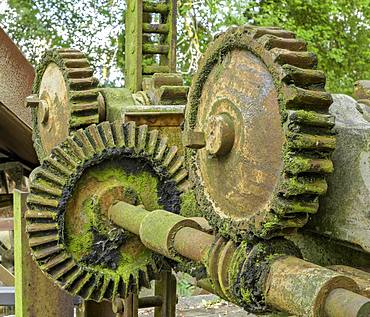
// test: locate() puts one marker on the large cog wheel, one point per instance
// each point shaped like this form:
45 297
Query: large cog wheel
70 235
258 113
68 98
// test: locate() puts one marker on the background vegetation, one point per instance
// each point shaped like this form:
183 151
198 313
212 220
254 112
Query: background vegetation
337 30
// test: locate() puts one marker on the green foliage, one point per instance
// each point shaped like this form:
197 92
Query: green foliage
338 31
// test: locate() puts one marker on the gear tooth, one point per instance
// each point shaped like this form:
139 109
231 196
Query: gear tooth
298 59
81 138
184 186
152 143
72 277
170 155
85 96
83 120
47 252
40 214
80 109
78 287
302 77
118 134
310 118
104 288
94 295
299 164
67 50
106 134
299 98
76 63
142 136
71 162
75 150
95 137
54 261
143 279
80 72
277 225
130 129
41 226
71 54
43 240
257 32
46 188
294 205
64 269
177 164
49 176
180 176
162 146
293 186
270 41
42 201
90 287
116 286
311 142
82 83
57 166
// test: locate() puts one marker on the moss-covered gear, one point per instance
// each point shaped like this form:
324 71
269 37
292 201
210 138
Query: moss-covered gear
262 111
69 233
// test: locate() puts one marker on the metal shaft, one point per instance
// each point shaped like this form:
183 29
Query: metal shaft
292 285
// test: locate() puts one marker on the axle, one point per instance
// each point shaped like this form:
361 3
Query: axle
285 281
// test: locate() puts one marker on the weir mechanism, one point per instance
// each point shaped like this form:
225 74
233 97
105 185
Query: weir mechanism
223 181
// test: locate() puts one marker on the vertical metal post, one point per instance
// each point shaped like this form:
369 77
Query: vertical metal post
166 288
35 294
133 49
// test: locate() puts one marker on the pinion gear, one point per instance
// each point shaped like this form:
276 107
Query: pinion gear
57 205
65 82
263 112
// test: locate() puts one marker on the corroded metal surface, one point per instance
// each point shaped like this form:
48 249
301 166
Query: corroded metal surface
247 95
266 179
68 233
65 98
16 77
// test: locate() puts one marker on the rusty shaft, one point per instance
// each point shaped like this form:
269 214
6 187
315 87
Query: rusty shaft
289 278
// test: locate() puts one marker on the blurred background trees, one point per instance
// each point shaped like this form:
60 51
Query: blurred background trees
338 31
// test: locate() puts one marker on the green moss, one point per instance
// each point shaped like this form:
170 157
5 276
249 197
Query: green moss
128 265
143 183
189 205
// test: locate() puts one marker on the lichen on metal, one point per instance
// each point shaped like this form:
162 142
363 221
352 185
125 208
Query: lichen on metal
69 234
262 173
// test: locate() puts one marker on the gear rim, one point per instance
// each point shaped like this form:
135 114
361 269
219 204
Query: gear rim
58 175
303 107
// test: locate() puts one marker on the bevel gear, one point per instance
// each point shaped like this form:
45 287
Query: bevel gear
67 98
70 235
260 133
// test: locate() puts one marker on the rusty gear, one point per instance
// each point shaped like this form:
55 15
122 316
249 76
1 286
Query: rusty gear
69 99
262 111
57 187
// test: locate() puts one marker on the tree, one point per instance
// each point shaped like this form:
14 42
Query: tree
338 31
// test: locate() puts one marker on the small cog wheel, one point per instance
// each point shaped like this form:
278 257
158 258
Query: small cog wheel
67 98
258 114
70 235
